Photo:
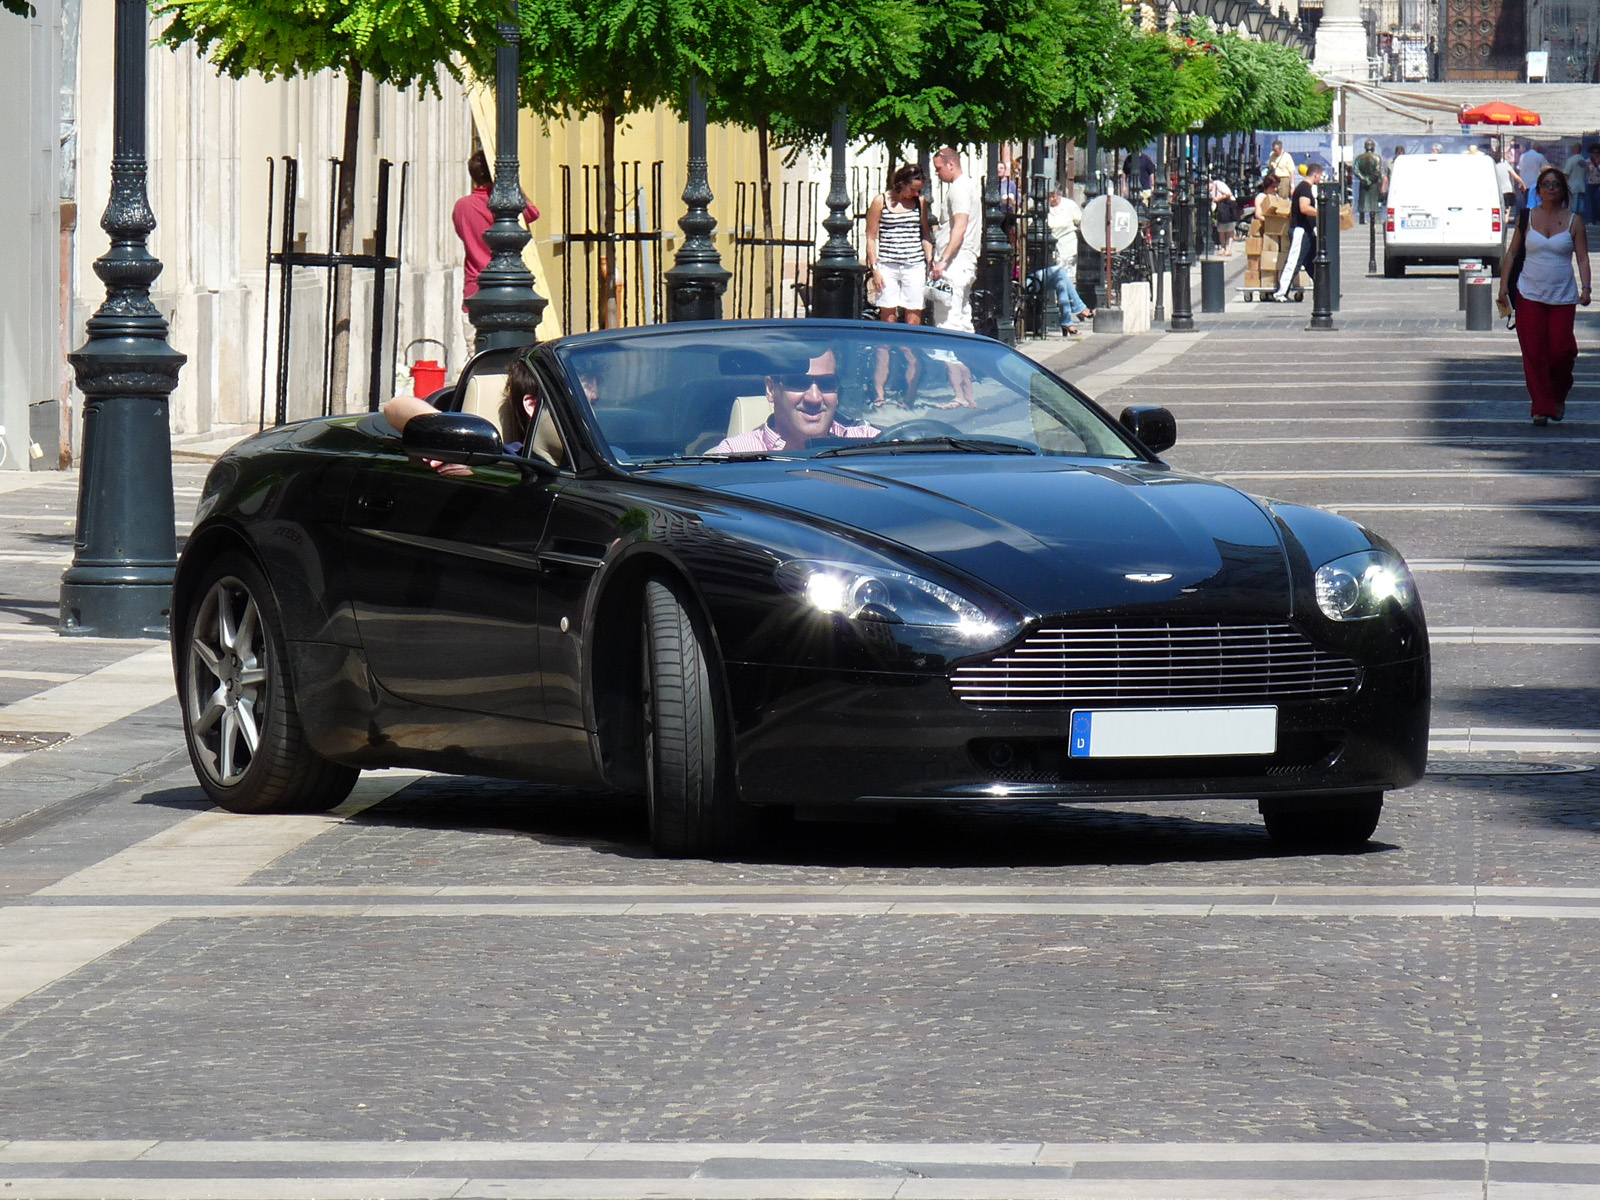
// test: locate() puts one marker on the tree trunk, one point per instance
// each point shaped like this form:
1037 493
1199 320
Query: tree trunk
610 285
769 281
344 242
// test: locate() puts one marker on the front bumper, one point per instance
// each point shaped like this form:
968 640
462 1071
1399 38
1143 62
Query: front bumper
809 737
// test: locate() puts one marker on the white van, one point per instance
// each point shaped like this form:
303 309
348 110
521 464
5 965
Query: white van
1442 207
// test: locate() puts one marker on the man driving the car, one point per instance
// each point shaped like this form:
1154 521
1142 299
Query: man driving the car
803 406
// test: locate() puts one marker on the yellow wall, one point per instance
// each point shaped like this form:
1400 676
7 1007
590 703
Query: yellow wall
732 155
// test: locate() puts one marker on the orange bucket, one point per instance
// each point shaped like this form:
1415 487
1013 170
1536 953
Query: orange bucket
427 377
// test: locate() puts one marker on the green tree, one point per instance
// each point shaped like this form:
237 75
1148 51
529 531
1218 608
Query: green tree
21 7
998 70
1268 87
1165 84
785 68
611 58
398 42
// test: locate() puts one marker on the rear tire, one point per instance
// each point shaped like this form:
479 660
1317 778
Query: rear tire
1323 822
688 786
1394 268
240 721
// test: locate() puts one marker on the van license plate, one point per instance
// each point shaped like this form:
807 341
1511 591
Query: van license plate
1173 732
1420 223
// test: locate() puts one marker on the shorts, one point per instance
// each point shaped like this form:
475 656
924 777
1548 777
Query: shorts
956 312
902 286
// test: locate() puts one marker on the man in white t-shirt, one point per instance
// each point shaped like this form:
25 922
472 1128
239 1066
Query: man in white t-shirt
956 243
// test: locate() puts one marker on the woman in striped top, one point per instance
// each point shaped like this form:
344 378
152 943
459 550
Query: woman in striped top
899 247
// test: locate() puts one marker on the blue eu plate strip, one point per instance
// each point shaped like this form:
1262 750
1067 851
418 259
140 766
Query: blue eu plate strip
1082 727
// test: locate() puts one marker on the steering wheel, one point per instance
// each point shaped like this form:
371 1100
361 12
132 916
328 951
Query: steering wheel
918 427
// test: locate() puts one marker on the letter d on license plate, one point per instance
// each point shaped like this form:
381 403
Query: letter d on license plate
1173 732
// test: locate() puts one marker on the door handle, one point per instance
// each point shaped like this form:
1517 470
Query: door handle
375 503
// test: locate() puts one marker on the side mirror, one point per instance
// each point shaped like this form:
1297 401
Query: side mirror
1152 425
453 438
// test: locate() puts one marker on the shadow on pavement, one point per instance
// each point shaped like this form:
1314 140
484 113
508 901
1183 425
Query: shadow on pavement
963 836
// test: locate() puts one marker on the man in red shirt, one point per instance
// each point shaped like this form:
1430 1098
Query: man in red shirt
472 218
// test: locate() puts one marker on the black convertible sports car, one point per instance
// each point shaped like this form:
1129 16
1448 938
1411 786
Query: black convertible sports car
808 564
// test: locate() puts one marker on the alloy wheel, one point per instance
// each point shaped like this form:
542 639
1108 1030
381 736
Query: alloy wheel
229 688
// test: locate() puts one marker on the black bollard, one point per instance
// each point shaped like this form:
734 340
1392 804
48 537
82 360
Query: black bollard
1322 272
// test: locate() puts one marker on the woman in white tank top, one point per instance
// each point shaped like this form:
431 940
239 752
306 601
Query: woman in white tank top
1547 295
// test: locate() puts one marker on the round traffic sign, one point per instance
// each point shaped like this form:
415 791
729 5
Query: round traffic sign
1124 223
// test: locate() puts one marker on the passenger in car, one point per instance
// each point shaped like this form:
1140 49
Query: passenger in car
803 407
518 408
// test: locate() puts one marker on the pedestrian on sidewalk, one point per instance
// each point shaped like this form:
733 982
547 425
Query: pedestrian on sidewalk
1303 230
1368 168
955 261
1280 163
472 219
1224 214
899 245
1576 168
1065 217
1530 163
1546 294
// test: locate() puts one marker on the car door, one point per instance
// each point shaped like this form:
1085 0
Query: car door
445 578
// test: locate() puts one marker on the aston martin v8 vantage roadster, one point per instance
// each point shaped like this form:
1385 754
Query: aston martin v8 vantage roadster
799 564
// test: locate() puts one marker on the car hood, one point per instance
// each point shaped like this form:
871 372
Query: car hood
1055 535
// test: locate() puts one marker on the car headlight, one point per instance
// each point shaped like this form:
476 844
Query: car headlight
1358 586
877 594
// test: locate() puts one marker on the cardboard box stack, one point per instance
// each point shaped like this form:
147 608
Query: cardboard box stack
1267 243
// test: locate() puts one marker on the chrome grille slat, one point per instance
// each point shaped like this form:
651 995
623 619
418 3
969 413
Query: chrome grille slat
1180 661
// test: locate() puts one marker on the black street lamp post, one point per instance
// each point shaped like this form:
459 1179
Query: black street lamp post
506 310
838 278
697 278
992 310
1182 309
125 549
1042 246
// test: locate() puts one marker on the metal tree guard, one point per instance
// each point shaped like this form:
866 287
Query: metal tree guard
506 310
125 548
697 278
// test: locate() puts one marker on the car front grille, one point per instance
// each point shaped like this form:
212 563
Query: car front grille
1160 664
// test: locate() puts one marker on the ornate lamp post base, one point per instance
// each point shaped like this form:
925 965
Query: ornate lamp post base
992 310
125 548
697 278
838 278
506 311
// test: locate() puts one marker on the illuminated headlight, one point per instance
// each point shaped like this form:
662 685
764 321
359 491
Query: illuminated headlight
876 594
1360 585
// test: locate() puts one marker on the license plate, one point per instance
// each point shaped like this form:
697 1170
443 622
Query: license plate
1173 732
1420 223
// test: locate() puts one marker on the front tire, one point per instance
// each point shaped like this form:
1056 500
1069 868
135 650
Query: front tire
240 720
1342 823
688 787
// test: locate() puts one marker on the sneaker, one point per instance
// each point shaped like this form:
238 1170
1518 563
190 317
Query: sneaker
1561 411
1541 419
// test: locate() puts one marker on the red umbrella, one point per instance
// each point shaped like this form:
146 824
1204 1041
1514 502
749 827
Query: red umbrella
1498 113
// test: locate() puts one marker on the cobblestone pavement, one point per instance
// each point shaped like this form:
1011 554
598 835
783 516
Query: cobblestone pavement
473 988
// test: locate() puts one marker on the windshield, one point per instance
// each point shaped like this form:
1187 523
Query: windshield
804 391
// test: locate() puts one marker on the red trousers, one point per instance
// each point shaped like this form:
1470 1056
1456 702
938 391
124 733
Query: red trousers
1548 352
